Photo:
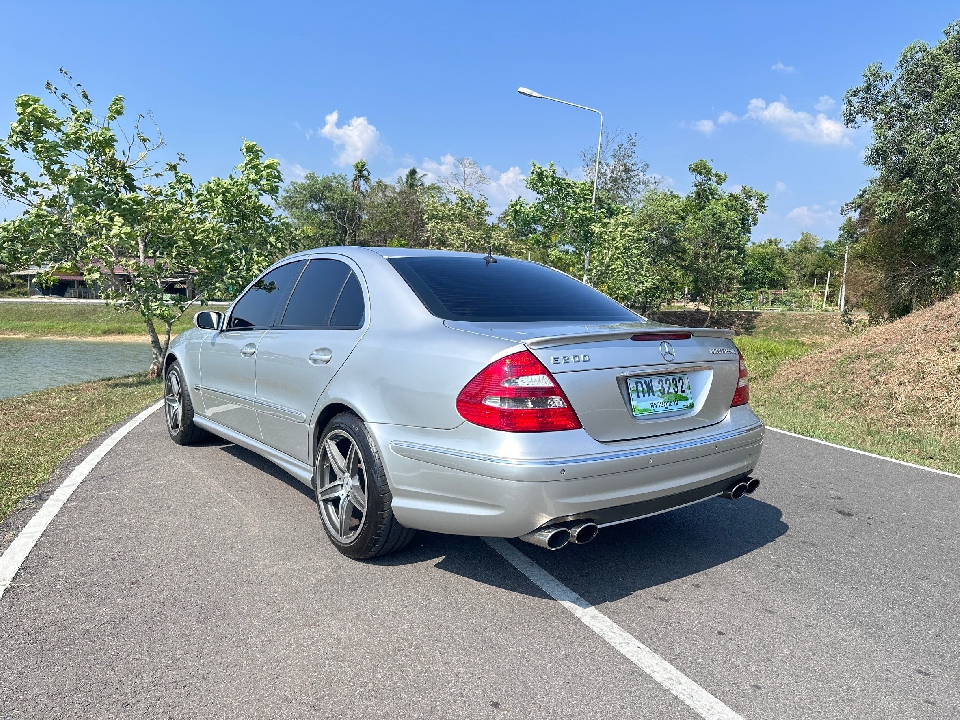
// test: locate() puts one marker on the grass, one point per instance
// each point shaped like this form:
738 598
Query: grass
52 319
41 429
862 391
764 355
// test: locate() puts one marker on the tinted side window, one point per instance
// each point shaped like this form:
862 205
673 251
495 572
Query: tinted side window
468 288
349 311
315 296
259 304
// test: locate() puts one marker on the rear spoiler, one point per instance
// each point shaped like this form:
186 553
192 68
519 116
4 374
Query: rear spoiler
553 341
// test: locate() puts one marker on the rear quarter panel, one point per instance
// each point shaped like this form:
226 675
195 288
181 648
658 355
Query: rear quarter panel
408 368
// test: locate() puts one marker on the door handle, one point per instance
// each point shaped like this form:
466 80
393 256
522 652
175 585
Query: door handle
320 356
248 350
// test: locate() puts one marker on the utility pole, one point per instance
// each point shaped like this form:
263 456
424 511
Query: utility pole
843 281
826 289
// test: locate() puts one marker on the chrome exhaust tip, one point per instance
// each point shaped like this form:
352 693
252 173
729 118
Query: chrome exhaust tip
752 485
551 538
584 532
735 491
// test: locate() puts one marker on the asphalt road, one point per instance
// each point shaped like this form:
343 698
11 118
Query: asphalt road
197 582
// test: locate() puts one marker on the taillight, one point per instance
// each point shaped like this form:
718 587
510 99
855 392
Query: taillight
518 394
742 395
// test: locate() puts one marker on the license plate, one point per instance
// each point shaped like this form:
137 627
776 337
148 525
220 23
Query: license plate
653 394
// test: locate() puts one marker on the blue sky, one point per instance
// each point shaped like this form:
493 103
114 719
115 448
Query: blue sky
755 87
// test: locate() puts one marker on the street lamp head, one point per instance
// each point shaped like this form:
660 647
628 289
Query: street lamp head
529 93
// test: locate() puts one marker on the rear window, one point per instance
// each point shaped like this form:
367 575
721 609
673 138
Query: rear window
467 288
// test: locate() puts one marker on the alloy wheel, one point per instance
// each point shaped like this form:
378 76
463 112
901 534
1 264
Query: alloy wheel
341 486
174 402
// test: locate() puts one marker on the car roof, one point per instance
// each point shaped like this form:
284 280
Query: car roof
357 251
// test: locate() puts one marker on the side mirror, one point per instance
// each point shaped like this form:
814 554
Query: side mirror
208 320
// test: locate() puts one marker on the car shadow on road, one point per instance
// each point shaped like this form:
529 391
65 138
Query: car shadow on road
265 466
624 558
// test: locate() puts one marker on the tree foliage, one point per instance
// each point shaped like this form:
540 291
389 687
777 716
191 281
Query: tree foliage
95 199
622 177
908 215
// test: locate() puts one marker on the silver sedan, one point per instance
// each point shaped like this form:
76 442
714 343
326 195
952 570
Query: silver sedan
465 394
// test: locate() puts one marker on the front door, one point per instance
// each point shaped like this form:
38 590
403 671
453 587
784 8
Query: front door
228 359
228 379
297 358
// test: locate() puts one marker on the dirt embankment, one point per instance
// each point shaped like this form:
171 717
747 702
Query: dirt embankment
900 377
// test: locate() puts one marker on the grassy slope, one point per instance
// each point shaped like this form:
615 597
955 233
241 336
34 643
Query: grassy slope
893 390
39 430
43 319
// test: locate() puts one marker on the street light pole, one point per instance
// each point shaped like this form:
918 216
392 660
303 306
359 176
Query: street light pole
596 167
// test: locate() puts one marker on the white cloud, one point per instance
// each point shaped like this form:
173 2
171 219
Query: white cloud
780 67
292 171
727 117
354 140
798 125
780 186
825 103
502 188
813 215
433 170
508 185
662 181
705 126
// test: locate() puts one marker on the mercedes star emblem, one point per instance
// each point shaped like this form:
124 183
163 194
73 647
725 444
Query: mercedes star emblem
666 349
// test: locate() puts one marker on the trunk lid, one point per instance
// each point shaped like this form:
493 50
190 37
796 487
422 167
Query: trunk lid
625 389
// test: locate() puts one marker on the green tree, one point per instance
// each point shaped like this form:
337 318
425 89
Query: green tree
460 222
361 176
95 199
802 260
766 266
324 209
717 226
560 224
623 176
908 215
638 259
396 214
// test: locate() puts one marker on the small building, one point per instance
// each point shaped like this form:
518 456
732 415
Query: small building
75 285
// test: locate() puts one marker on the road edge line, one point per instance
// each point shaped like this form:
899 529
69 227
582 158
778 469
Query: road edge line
20 548
685 689
863 452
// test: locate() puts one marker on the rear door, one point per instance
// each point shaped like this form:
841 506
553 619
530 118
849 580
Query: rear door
228 358
298 357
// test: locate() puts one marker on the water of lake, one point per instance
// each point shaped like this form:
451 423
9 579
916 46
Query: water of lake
27 364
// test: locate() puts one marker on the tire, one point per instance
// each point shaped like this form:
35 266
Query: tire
178 408
351 478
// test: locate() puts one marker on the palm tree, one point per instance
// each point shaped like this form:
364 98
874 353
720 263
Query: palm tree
413 179
361 176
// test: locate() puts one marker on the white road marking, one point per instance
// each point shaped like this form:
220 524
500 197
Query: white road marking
864 452
698 699
13 557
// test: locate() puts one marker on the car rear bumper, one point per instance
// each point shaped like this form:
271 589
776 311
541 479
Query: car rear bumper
442 482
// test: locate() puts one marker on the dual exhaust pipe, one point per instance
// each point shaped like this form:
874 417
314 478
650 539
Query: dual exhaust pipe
743 486
555 537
